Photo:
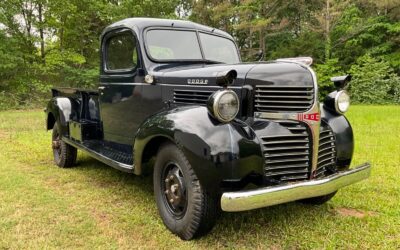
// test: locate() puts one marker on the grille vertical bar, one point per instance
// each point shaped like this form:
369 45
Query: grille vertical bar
287 157
280 99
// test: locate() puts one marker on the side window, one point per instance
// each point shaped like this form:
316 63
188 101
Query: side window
121 53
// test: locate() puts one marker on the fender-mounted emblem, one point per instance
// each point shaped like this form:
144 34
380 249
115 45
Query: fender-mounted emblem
308 117
197 81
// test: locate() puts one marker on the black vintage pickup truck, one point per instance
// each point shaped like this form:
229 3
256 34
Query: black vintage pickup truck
223 134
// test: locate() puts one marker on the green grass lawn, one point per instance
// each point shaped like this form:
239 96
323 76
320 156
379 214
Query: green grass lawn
95 206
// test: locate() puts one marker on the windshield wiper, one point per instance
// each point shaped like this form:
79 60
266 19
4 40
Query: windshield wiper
212 62
206 61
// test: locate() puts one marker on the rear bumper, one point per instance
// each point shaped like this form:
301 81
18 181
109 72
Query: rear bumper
264 197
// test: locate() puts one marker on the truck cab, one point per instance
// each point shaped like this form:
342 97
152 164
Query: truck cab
223 134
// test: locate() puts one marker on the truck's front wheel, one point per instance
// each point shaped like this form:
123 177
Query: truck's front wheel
186 208
64 154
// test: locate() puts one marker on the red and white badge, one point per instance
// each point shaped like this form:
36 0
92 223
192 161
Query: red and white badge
308 117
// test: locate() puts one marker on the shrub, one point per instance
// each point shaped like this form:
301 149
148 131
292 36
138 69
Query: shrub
324 73
374 82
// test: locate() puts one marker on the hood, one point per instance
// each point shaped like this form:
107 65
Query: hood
266 73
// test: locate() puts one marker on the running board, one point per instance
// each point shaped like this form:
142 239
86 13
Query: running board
115 164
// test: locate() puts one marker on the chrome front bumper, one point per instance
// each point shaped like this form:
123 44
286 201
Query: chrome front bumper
264 197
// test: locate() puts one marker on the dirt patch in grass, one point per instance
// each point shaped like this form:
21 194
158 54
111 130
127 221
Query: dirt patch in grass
4 135
351 212
101 217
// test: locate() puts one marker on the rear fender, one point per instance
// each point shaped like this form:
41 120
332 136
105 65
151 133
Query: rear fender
63 109
216 151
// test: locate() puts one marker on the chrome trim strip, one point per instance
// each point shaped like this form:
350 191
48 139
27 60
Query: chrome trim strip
312 124
306 60
264 197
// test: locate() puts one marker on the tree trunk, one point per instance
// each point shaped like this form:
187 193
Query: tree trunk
328 44
262 43
63 21
41 32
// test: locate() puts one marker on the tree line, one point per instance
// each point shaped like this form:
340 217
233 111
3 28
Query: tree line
46 43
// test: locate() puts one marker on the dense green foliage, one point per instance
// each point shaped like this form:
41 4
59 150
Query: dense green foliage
45 43
374 81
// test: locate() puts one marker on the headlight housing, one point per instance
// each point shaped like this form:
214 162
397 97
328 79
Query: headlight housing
342 102
223 105
338 101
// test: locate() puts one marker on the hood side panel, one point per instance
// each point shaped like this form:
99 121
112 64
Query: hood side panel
181 74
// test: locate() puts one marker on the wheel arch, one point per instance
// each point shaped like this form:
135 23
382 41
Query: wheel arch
51 120
61 110
145 151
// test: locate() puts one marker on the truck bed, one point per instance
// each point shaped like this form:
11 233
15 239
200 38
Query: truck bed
71 92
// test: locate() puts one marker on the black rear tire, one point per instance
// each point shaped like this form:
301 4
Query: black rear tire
187 210
319 200
64 154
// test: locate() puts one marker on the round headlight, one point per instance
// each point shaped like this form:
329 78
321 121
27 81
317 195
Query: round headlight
342 101
224 105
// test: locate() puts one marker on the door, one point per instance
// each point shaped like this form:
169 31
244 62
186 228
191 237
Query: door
125 100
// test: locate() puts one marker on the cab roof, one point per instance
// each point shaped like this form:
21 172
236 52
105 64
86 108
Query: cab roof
142 23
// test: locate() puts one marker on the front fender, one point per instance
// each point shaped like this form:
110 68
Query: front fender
343 136
216 151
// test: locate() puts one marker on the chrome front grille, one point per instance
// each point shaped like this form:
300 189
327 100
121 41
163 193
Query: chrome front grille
191 96
279 99
288 156
326 152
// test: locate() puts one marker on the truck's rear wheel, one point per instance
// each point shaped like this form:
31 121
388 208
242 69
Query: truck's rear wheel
183 203
64 154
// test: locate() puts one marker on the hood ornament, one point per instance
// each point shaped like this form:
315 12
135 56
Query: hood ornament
304 60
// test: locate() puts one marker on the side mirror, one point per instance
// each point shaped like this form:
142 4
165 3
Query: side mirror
226 78
259 56
341 81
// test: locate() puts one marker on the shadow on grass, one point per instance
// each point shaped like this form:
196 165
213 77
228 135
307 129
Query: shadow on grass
275 223
101 174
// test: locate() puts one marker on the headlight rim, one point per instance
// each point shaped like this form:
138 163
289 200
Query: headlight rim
214 101
340 92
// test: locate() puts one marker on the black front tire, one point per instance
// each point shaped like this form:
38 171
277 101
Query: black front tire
192 211
64 154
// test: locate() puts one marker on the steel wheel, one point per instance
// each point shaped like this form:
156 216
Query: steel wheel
56 145
174 189
185 206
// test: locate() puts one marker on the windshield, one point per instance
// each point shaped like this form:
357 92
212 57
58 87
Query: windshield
181 45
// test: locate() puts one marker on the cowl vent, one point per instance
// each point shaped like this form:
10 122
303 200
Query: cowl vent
191 96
